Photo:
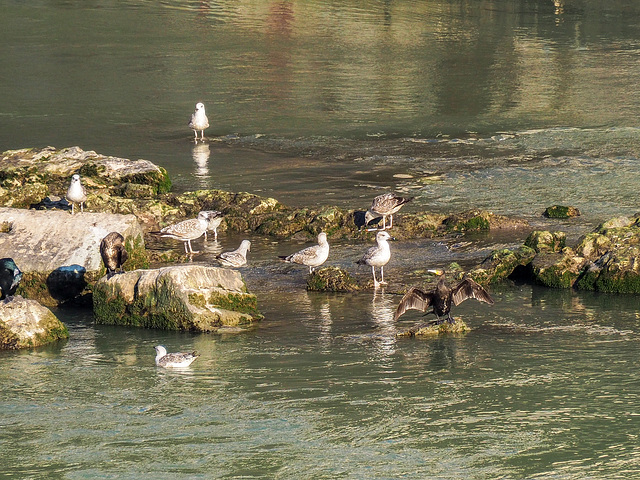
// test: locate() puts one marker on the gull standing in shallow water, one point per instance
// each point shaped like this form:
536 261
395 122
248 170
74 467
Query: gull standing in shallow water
174 360
186 231
238 257
311 256
76 193
214 219
385 205
378 256
442 297
199 121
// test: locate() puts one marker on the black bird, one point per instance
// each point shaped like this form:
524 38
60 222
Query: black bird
10 276
441 297
113 253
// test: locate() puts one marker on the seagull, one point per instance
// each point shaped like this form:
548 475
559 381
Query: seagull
385 205
113 253
199 121
214 218
173 360
441 297
378 256
313 256
10 276
76 193
186 230
238 257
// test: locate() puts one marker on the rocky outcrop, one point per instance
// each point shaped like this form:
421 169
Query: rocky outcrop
561 211
25 323
59 253
331 279
186 297
606 260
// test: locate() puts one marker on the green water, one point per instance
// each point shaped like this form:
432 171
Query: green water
508 106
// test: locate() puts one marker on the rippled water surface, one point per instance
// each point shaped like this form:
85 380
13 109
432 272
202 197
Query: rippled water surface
507 106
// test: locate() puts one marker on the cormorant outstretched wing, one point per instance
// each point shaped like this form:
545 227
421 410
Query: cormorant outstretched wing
466 289
414 299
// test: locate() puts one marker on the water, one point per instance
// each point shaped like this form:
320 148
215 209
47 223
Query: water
506 106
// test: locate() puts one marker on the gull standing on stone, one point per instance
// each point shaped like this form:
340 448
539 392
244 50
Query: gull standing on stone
385 205
113 253
76 193
174 360
186 231
238 257
311 256
214 219
199 121
378 256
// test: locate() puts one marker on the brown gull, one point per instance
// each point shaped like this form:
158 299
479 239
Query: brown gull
385 205
186 230
236 258
378 256
313 256
113 253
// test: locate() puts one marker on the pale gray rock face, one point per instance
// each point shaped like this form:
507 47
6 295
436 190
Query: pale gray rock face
185 297
25 323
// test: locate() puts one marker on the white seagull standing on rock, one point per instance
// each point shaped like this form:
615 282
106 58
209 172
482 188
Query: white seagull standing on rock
199 121
313 256
186 230
174 360
378 256
76 193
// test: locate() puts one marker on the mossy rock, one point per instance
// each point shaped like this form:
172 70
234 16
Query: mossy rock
501 264
331 279
560 211
544 241
432 330
24 323
470 221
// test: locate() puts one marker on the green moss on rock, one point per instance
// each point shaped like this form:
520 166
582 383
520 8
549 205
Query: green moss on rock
331 279
560 211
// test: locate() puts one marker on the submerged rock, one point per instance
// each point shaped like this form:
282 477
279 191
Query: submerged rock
59 253
560 211
25 323
331 279
432 330
186 297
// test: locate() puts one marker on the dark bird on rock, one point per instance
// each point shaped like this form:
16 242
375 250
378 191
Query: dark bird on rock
10 276
442 297
385 205
113 253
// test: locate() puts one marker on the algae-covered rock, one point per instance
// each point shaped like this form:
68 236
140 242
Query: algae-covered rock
432 330
561 211
59 253
501 264
544 241
331 279
25 323
186 297
557 270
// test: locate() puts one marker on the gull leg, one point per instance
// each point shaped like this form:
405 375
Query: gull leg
71 208
81 207
390 221
205 235
382 282
375 281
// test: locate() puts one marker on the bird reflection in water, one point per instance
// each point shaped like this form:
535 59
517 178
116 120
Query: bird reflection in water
382 310
201 153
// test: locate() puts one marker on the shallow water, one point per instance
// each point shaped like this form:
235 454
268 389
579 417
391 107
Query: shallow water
506 106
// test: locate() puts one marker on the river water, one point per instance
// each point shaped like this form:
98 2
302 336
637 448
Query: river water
507 106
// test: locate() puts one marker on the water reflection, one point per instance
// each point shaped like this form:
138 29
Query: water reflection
201 153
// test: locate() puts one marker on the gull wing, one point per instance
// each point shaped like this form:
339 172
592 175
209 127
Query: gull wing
468 288
414 299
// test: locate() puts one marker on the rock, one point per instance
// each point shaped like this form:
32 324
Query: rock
432 330
559 211
544 241
331 279
25 323
59 253
501 264
185 297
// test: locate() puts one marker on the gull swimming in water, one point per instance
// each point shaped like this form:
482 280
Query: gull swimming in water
214 219
442 297
76 193
313 256
174 360
238 257
186 230
378 256
199 121
113 253
385 205
10 276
